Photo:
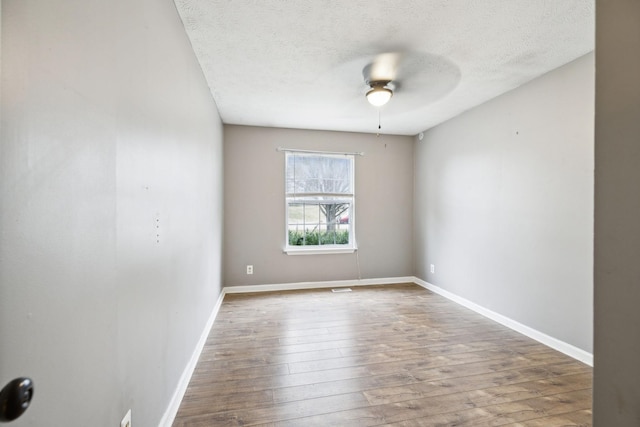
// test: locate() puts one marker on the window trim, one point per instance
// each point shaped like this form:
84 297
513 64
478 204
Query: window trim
319 250
349 248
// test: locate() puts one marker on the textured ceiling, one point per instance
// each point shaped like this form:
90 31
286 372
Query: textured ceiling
299 64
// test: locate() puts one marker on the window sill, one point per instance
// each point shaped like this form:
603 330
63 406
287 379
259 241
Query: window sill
318 251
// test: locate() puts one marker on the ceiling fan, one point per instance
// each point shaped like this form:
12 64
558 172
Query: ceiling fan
380 75
420 77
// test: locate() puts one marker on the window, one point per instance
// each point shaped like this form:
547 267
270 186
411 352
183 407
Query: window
320 203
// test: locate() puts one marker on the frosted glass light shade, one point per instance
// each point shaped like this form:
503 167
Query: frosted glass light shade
378 96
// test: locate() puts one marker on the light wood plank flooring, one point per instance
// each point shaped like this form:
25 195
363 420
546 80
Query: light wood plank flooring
394 355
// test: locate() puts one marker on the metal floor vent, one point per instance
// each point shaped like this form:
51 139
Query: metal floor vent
341 290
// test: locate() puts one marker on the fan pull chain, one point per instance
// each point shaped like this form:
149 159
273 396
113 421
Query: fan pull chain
379 126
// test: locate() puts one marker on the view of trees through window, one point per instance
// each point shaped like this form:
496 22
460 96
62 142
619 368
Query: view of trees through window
319 190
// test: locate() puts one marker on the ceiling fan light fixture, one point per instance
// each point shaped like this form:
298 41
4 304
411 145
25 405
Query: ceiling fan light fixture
379 94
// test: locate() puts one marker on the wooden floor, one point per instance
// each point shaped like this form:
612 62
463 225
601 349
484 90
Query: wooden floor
394 355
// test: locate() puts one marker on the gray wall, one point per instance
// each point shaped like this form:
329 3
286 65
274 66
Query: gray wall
108 132
255 207
617 214
504 204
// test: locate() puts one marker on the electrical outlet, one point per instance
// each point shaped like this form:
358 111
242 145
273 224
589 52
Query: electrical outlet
126 421
249 269
433 269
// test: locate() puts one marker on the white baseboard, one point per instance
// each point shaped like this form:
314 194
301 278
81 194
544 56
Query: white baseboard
561 346
316 285
172 410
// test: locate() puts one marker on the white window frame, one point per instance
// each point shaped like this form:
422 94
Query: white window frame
323 198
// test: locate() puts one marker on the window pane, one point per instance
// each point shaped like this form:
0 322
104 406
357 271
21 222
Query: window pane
296 237
311 213
296 213
308 173
315 223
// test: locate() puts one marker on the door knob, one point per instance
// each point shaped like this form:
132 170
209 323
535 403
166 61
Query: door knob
15 398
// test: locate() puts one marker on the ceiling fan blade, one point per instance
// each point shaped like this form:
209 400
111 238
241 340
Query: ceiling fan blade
384 67
417 79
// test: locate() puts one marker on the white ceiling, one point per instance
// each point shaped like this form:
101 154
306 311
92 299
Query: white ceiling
298 64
